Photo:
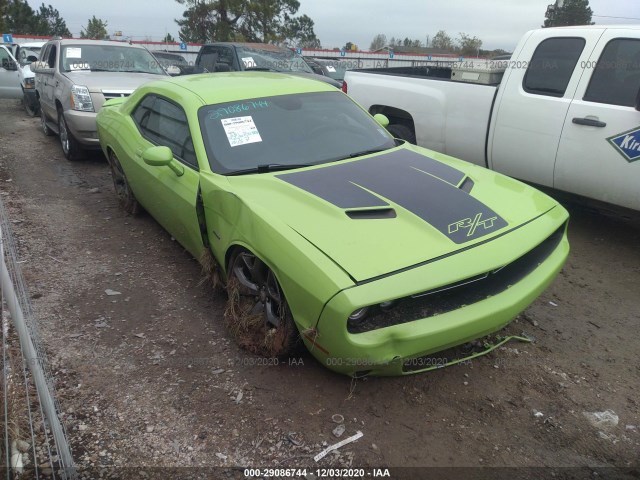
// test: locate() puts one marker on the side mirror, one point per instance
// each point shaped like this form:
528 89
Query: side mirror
173 70
162 157
31 59
41 67
381 119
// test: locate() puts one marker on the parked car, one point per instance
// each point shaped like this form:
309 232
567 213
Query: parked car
75 77
329 68
568 104
9 77
372 251
234 56
26 54
172 60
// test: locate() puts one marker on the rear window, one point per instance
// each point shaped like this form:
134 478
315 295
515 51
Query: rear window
552 65
616 75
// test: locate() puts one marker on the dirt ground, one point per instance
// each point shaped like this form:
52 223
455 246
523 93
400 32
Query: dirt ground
151 378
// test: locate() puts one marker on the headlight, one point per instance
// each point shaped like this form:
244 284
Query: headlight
30 82
81 99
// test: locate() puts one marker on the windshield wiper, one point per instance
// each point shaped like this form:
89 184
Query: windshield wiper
366 152
260 69
271 167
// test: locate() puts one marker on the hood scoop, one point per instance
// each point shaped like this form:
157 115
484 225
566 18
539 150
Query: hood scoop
371 213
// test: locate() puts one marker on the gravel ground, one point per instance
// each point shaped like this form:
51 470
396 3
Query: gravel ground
147 376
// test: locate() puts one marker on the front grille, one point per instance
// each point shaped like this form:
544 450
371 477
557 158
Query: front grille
459 294
116 94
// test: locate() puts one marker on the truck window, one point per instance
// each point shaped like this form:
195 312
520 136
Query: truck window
51 59
552 65
616 75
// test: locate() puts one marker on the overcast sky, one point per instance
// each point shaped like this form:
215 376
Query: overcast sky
498 23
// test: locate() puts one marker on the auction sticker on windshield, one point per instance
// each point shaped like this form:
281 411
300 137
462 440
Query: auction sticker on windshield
241 131
249 62
74 52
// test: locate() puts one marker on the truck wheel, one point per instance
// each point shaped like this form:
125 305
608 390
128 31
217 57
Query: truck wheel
43 123
402 132
32 110
70 146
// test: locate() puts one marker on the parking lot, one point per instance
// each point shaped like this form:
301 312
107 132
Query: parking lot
150 376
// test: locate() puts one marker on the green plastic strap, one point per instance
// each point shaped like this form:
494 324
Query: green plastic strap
488 348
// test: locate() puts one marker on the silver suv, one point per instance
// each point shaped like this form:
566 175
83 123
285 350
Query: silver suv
75 77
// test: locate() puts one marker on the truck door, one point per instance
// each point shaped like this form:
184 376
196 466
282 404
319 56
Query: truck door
532 103
9 78
599 153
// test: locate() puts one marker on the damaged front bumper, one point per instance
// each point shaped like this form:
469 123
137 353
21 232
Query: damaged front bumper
396 347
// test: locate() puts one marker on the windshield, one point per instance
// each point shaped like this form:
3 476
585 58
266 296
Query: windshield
295 130
27 55
280 60
108 58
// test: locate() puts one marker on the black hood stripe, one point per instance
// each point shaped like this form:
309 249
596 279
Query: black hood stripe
420 184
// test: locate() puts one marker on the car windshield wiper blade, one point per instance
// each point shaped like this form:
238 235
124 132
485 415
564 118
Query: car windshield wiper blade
271 167
366 152
260 69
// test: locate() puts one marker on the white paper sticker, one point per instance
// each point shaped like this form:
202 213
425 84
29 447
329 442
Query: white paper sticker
249 62
241 131
331 68
74 52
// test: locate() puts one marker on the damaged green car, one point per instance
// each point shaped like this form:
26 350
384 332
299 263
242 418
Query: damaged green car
323 228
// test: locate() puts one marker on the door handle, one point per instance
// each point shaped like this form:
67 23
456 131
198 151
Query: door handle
590 122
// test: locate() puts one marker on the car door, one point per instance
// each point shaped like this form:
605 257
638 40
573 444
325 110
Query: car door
168 197
532 104
9 77
46 83
599 153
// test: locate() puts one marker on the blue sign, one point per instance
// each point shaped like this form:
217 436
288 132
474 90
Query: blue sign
461 59
183 46
342 53
391 54
7 38
428 57
299 51
627 144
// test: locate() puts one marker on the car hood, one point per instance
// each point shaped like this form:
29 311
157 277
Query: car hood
391 211
109 81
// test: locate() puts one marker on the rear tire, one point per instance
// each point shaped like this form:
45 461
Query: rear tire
126 198
402 132
70 146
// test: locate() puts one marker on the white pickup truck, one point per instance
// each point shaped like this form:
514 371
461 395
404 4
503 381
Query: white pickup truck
565 113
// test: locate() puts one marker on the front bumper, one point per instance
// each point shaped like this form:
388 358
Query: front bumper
384 351
82 126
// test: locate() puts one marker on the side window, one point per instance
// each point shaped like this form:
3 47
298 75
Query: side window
44 53
616 76
4 58
51 59
552 65
165 123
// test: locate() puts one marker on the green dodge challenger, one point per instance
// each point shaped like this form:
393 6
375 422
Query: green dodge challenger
323 228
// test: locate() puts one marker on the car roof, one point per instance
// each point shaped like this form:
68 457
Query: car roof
221 87
87 41
258 46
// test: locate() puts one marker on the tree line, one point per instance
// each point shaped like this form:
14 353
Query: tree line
464 44
269 21
16 16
